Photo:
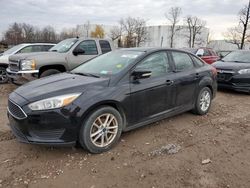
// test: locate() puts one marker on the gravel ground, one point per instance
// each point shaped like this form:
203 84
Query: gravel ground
183 151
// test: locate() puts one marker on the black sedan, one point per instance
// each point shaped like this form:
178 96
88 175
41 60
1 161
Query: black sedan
115 92
234 71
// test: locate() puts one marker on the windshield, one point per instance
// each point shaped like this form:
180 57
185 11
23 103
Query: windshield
63 46
238 56
13 49
108 64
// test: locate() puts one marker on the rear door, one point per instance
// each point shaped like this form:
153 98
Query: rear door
186 78
91 51
152 96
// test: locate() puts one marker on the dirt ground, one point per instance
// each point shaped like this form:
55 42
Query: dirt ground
220 139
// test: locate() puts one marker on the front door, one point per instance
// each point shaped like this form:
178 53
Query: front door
152 96
91 51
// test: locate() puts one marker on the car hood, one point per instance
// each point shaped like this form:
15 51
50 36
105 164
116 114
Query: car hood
59 84
230 65
38 56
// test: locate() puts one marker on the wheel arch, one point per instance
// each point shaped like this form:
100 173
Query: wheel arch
115 104
4 65
207 82
58 67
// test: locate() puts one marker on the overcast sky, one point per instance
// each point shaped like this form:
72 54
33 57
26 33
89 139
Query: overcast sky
219 14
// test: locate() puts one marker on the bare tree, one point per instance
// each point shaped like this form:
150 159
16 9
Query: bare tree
244 16
48 34
239 34
115 32
234 36
173 17
28 32
87 28
195 27
134 30
141 32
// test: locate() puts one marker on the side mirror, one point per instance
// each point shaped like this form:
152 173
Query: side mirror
141 74
78 51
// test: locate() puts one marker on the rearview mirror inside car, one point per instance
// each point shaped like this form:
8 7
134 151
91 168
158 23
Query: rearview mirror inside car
78 51
141 74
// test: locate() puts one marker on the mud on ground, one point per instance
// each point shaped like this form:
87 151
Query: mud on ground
220 139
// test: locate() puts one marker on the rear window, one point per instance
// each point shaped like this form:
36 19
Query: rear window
105 46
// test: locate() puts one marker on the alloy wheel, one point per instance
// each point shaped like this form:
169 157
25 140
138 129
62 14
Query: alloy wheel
205 101
104 130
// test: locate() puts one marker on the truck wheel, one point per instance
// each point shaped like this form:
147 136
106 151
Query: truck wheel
49 72
3 75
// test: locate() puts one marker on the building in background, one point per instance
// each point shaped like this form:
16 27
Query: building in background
219 45
158 36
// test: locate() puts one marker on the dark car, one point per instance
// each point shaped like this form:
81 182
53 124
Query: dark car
223 53
234 71
115 92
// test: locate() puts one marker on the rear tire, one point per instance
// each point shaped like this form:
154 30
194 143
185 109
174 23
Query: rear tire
101 130
203 101
49 72
3 75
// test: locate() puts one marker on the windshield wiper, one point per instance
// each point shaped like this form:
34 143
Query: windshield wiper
86 74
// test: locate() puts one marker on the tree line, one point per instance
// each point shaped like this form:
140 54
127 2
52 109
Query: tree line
129 32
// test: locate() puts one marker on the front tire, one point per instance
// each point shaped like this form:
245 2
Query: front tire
203 101
3 75
101 130
49 72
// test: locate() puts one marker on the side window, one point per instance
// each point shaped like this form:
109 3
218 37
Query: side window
46 48
182 61
89 46
26 49
37 48
206 53
105 46
198 62
157 63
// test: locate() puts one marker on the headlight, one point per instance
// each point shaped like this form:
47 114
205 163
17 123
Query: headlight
244 71
54 102
28 65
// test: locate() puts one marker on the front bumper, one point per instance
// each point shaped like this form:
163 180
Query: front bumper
54 127
238 82
22 76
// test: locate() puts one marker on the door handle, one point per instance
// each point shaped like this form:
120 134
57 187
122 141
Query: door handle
169 82
197 76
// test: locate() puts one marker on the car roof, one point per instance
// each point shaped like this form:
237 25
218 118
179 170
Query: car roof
32 44
151 49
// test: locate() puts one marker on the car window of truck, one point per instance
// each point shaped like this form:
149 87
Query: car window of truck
105 46
89 46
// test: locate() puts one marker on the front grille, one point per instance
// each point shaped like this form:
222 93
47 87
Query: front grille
14 66
224 76
16 111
